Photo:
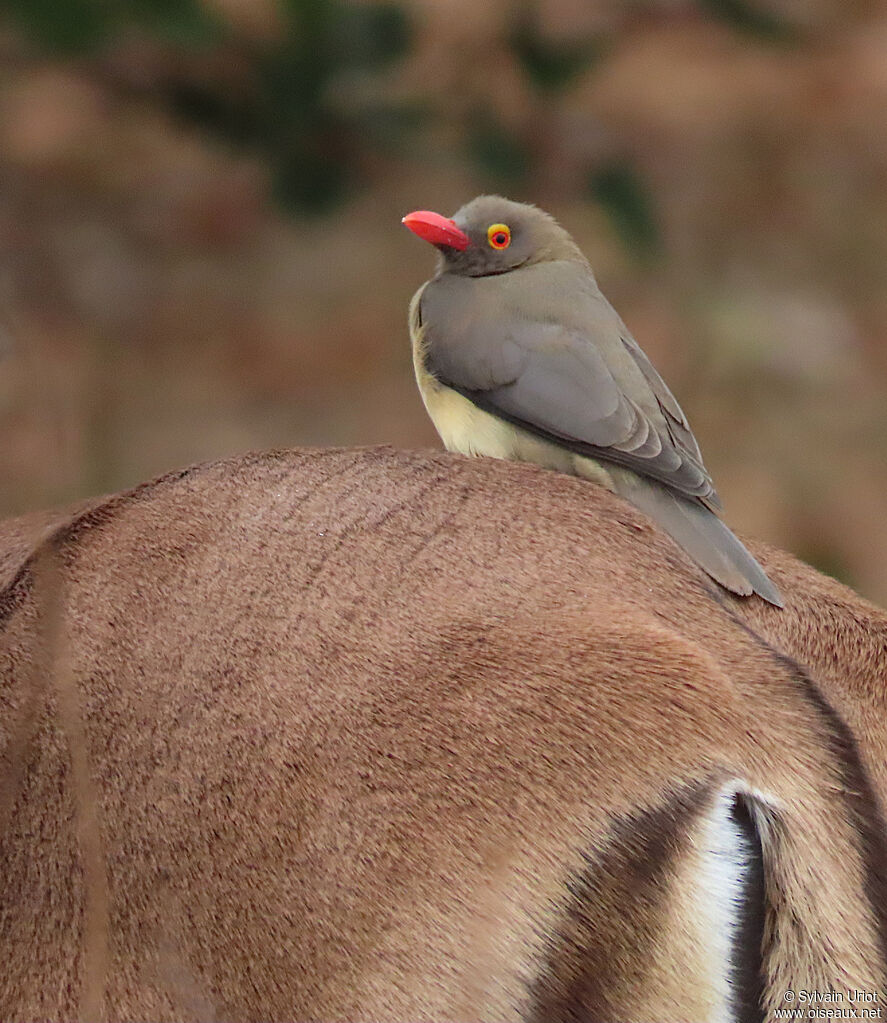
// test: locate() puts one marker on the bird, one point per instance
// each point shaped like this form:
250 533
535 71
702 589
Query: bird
518 355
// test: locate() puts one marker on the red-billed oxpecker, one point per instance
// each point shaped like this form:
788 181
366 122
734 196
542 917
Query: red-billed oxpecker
518 355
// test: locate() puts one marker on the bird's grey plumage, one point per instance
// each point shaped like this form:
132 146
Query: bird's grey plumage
527 336
562 366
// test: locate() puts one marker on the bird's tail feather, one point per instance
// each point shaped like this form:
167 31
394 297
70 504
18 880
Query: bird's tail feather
701 534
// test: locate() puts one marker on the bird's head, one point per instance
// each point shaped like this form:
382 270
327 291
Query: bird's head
491 235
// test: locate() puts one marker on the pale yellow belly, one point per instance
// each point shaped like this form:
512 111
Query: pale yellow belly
465 428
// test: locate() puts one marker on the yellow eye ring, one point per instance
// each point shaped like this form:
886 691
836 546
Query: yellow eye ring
499 236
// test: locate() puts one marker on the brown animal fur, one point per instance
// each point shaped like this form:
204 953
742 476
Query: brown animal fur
374 735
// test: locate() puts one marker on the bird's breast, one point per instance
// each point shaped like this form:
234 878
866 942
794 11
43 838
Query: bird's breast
465 428
469 430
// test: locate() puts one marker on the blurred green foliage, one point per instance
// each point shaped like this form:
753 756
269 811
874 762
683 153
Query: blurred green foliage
498 153
85 26
750 18
286 108
289 112
550 66
300 99
629 204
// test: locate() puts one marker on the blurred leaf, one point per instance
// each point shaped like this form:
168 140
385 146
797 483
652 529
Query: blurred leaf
290 112
389 126
550 66
82 26
283 103
71 26
627 202
370 36
494 150
746 16
186 22
232 119
310 182
290 82
346 35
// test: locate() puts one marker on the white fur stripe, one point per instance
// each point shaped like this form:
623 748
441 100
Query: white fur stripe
726 861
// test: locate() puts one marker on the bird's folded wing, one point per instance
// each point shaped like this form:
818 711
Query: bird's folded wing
557 383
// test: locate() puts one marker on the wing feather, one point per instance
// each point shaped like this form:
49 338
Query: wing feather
589 388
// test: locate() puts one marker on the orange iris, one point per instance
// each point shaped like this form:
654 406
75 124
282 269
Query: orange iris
499 236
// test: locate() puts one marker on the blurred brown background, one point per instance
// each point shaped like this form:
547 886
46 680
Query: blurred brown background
200 211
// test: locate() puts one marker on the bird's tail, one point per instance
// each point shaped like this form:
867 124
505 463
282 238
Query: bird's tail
701 534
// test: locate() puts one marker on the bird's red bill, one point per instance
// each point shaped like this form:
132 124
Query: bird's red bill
436 229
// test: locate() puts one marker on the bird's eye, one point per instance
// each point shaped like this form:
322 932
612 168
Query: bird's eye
499 236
